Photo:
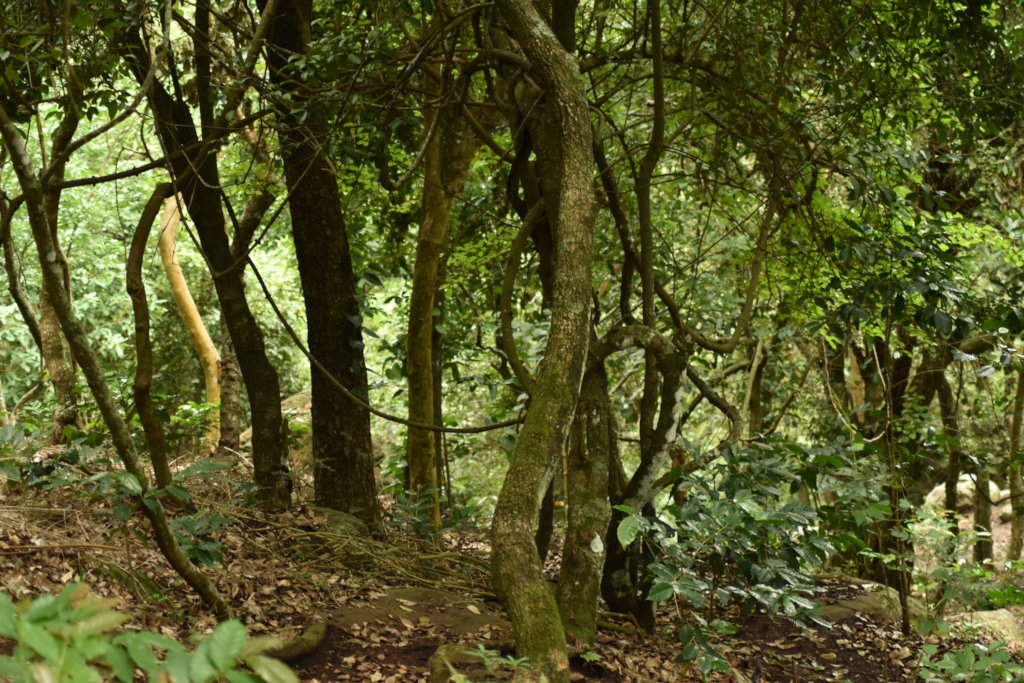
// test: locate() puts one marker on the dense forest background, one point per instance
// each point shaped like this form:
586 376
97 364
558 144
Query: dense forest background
701 297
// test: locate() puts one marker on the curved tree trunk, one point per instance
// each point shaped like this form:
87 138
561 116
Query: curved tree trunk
155 438
28 313
209 358
516 568
200 189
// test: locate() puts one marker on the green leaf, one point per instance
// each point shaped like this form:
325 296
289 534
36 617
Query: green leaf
39 640
122 511
628 530
100 623
7 623
660 592
121 664
224 644
9 666
178 492
753 509
271 670
201 468
128 481
141 654
200 667
179 665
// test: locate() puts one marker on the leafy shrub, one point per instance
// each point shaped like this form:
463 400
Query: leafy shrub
735 537
973 662
72 638
194 533
739 537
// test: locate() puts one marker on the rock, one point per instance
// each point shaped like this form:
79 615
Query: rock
344 524
877 600
999 623
936 500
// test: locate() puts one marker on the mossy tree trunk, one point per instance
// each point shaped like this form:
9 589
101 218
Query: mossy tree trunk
56 356
594 440
516 568
449 152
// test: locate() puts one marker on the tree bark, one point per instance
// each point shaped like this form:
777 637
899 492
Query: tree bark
231 406
1016 485
594 443
151 425
202 344
28 313
342 446
447 158
516 569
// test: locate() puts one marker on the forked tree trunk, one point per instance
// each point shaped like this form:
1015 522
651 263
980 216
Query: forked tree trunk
516 568
200 189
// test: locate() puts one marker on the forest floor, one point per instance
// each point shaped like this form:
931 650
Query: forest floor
390 604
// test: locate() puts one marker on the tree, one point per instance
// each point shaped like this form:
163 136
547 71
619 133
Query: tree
516 568
195 175
342 445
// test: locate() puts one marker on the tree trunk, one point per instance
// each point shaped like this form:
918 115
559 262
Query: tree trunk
342 446
202 344
58 367
448 155
982 516
28 313
200 189
594 441
436 212
6 417
230 396
1016 485
152 426
517 572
